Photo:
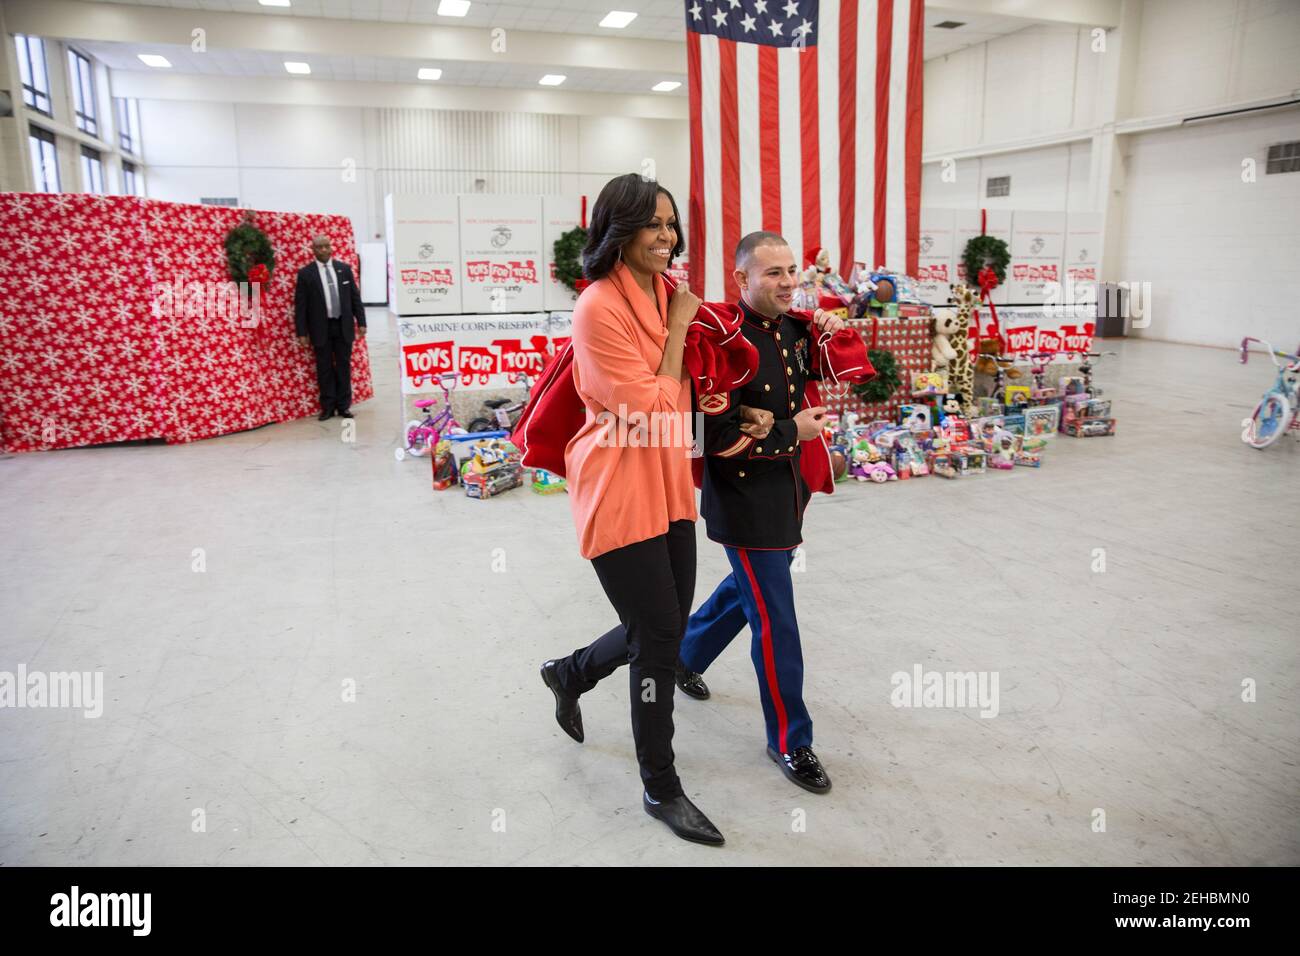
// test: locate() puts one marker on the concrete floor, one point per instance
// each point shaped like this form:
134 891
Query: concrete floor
329 562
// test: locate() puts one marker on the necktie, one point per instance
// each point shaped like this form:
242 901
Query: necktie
331 293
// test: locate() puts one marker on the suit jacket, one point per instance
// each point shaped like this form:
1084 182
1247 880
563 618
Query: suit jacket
310 311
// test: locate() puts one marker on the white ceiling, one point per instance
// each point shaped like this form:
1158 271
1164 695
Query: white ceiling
215 62
656 19
974 29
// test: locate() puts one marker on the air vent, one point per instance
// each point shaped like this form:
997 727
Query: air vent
1283 158
998 186
950 24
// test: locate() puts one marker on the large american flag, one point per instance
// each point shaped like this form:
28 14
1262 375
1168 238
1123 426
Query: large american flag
805 120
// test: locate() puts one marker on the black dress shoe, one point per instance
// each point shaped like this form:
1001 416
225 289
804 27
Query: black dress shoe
691 683
803 769
346 414
324 416
685 819
567 712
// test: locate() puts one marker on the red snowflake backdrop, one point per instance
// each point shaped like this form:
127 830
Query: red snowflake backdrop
88 356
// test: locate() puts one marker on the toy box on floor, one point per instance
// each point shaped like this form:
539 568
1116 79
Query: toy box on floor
491 468
547 482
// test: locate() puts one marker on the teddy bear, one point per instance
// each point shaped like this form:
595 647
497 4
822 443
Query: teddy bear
947 323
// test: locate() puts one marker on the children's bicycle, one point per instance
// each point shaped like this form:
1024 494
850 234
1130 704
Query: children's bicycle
423 435
1276 411
505 413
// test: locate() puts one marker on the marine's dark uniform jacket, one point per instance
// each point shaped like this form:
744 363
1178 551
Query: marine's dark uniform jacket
753 493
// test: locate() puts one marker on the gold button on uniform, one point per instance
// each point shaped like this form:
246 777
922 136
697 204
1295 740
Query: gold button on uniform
785 353
742 474
792 406
789 370
791 448
760 448
767 388
778 336
792 387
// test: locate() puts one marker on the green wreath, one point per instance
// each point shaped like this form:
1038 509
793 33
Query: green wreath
985 251
247 246
568 256
886 382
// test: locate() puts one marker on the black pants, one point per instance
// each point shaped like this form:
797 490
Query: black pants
334 369
651 585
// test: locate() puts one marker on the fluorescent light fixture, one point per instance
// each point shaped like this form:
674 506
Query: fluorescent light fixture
667 86
453 8
617 19
274 3
295 67
552 79
430 73
154 59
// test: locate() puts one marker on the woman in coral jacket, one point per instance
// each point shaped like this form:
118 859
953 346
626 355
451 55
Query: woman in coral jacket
634 502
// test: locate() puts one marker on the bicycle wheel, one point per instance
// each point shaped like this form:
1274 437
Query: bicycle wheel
1272 417
416 444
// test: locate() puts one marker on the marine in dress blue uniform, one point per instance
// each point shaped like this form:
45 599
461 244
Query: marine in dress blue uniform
753 500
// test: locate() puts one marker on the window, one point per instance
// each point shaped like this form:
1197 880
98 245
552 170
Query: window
92 170
1283 158
35 77
998 186
130 179
83 93
45 160
128 125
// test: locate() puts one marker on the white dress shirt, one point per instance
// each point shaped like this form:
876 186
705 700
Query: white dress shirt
330 283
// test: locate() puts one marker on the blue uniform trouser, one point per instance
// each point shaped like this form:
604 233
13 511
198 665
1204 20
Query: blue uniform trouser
759 592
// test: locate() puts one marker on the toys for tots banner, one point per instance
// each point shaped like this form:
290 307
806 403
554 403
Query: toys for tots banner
1028 329
485 351
501 253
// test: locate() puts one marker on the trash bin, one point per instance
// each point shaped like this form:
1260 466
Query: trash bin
1112 311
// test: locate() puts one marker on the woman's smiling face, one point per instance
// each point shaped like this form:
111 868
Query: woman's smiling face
650 250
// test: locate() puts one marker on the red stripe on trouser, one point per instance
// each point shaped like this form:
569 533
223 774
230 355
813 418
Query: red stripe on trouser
769 659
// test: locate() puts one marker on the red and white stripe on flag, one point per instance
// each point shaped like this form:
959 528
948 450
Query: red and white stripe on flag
805 119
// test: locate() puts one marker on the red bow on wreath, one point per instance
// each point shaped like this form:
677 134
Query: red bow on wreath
259 274
988 280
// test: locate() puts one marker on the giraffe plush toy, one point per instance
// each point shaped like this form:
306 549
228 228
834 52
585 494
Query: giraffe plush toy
961 374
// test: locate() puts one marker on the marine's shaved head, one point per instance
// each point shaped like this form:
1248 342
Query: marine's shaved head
745 248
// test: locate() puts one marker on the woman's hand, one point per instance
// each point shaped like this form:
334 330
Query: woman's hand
682 308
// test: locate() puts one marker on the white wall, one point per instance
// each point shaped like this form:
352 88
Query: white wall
1222 255
1043 79
1052 179
1200 52
291 157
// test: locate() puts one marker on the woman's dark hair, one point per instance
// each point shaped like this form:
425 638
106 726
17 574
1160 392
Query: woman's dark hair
624 207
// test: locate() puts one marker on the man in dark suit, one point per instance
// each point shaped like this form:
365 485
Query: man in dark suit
326 303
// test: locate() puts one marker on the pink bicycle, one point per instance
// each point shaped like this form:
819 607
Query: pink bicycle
423 435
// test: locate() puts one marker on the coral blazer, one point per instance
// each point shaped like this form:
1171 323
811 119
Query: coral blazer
622 491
